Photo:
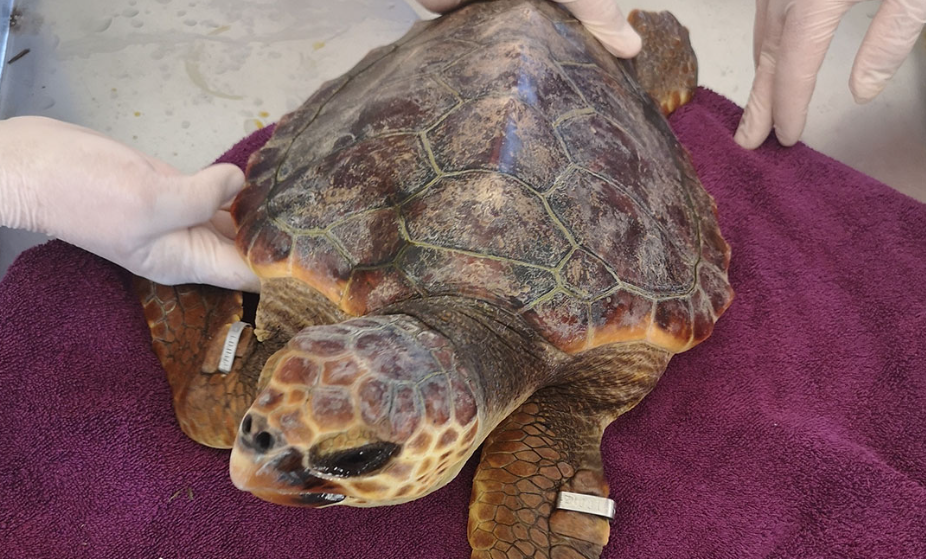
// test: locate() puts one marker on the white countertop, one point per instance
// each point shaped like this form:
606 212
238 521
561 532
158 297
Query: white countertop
185 79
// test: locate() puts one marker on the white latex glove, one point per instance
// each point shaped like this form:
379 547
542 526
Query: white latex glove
601 17
91 191
790 40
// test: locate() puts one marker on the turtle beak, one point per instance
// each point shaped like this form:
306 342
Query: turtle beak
281 478
310 500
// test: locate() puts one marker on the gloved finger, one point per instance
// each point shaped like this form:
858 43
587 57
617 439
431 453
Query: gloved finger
606 22
188 201
228 205
756 123
199 255
888 42
808 30
440 6
224 224
758 30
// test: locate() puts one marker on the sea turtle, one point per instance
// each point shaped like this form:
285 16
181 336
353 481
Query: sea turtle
483 234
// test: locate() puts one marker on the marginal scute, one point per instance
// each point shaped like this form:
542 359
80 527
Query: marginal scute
563 319
318 263
270 246
703 315
371 290
672 324
253 195
248 228
621 316
715 286
714 248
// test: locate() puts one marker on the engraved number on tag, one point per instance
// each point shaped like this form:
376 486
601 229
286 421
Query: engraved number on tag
231 345
577 502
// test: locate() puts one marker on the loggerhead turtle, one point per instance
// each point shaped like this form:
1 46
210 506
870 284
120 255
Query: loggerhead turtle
483 234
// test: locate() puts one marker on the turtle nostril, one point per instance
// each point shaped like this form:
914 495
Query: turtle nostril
263 441
256 435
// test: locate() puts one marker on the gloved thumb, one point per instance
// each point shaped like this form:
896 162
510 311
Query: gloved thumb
440 6
215 258
606 22
223 266
193 200
199 255
602 18
224 180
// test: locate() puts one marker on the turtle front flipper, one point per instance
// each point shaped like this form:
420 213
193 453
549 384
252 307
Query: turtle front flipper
189 325
550 448
666 66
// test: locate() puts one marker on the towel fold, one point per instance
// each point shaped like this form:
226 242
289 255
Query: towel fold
798 430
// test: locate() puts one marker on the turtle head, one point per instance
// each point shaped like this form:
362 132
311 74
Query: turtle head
368 412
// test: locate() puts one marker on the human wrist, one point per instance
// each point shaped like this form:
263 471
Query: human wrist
20 200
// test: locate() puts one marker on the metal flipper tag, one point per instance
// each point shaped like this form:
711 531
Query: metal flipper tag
589 504
231 346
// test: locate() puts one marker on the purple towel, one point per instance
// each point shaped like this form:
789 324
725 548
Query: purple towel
798 430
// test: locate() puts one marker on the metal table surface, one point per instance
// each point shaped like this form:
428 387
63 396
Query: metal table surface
6 14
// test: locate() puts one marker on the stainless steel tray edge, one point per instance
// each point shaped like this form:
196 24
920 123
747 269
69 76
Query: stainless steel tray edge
6 10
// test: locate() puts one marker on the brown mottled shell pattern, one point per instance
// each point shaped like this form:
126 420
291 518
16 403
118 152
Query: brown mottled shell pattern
531 171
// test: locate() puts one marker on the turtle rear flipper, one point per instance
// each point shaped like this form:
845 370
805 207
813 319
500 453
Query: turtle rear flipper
551 446
666 66
189 324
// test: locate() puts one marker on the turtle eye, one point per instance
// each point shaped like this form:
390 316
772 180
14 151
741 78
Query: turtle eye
355 461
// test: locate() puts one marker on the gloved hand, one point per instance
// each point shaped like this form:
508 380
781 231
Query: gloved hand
601 17
91 191
790 39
